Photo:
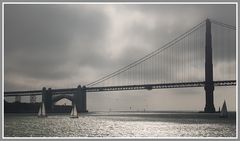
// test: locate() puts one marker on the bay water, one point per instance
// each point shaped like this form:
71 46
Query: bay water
121 124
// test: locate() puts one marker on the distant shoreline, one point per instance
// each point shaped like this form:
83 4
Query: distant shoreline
22 108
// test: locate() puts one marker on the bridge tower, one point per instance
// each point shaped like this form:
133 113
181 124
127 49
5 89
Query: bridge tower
80 99
47 99
209 85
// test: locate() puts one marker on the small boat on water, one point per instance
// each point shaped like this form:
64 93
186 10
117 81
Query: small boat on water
74 113
42 112
224 112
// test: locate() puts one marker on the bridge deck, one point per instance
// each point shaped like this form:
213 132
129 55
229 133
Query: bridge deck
122 88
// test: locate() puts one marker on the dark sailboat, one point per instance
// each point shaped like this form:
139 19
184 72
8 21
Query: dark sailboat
224 112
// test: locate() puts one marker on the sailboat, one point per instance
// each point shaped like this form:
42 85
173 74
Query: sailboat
74 113
42 112
224 113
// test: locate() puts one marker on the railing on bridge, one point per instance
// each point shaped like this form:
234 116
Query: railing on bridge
121 88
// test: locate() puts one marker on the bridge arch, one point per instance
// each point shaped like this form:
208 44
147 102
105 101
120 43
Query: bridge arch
57 98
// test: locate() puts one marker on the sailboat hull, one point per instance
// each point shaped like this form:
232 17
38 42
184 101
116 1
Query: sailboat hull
73 116
42 116
223 115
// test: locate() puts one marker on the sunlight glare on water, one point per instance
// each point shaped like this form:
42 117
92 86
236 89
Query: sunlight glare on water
120 124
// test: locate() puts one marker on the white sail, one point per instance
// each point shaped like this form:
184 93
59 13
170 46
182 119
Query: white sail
43 110
40 111
72 112
224 112
75 111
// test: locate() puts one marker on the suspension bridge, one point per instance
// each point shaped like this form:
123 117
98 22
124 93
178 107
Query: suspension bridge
204 56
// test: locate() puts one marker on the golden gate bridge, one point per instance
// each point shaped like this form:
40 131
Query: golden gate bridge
198 58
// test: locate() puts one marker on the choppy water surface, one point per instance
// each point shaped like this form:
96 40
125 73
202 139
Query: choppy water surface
121 124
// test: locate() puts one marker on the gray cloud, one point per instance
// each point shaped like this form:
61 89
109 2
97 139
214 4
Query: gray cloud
43 36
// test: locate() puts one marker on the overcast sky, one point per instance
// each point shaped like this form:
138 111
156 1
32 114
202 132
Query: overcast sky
62 46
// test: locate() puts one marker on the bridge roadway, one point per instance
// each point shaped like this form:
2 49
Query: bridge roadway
122 88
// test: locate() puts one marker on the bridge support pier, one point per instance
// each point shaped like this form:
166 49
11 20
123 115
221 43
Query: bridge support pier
48 102
209 107
44 92
80 99
47 99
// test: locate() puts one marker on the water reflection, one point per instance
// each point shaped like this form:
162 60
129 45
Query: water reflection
121 124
